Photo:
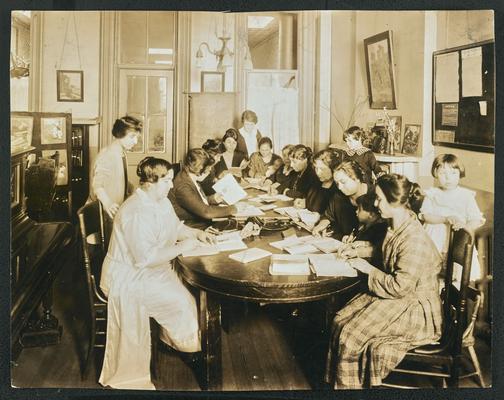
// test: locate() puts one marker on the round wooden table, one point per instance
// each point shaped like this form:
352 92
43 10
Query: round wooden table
218 277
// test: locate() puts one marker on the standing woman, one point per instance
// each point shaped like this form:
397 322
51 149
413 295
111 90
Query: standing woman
248 135
340 214
401 308
231 156
300 159
188 198
319 194
140 282
110 172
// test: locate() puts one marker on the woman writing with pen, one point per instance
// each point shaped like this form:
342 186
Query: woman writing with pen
340 217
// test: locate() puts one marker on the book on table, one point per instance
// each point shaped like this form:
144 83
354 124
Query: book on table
289 264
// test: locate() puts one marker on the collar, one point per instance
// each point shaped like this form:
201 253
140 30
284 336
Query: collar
360 151
144 197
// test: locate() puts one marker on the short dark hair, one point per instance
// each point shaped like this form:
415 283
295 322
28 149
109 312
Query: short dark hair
329 157
151 169
212 146
124 124
398 189
367 202
354 132
451 159
249 115
351 169
301 150
197 160
265 140
231 132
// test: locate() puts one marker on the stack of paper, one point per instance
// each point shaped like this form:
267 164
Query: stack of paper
229 189
250 255
286 264
267 207
331 265
301 249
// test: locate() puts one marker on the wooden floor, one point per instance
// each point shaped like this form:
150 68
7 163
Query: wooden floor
264 348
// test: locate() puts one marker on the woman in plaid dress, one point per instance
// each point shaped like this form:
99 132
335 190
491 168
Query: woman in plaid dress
401 309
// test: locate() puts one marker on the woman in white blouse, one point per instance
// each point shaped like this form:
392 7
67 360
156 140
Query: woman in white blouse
140 282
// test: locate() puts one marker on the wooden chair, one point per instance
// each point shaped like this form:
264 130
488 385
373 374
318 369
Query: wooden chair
93 252
443 359
94 248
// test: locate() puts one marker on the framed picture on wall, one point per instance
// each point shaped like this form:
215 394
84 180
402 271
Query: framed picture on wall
52 130
70 85
411 138
212 82
21 132
380 71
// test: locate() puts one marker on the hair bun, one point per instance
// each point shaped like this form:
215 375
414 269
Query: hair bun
139 170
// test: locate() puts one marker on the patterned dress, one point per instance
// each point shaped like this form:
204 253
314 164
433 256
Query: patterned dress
401 310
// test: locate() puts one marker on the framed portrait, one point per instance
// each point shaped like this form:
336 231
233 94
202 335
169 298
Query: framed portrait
61 161
21 132
52 130
380 71
212 82
411 138
70 85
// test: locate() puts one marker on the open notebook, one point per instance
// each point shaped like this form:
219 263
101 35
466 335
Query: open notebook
331 265
289 264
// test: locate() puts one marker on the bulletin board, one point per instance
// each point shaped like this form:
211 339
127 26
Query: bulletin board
463 97
210 115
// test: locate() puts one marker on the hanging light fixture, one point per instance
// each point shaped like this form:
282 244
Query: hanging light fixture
223 55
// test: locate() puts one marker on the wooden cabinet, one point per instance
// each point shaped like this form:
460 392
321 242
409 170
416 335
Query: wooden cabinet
79 160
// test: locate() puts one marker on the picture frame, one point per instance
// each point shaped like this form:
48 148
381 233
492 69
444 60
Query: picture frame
396 121
70 85
212 82
378 51
21 132
61 162
52 130
411 138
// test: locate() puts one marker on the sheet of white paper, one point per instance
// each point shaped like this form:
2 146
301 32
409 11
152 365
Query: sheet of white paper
249 211
327 245
301 249
250 255
331 265
267 207
231 245
447 78
202 250
483 107
288 264
224 237
290 241
229 189
472 80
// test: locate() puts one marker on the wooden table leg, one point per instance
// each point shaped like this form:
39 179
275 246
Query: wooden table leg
211 346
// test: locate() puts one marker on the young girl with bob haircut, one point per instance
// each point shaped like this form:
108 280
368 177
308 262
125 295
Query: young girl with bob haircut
448 204
401 308
139 280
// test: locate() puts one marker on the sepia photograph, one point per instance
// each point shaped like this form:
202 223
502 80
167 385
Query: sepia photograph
252 201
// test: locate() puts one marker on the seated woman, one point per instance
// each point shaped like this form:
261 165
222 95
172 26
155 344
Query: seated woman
231 157
284 174
321 192
214 148
263 163
189 201
300 159
340 212
401 308
140 282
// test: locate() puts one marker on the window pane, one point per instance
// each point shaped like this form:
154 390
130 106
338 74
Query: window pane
135 94
161 37
156 95
157 134
139 147
133 34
